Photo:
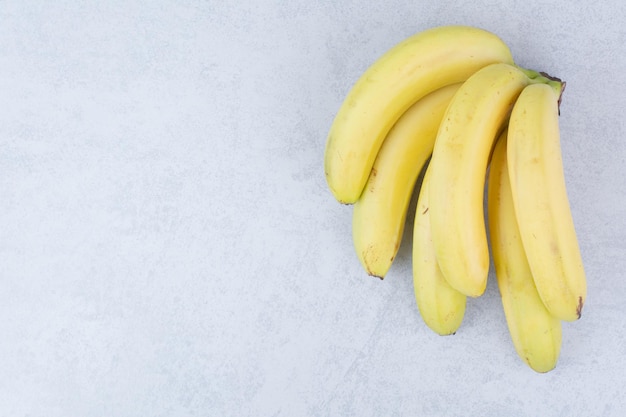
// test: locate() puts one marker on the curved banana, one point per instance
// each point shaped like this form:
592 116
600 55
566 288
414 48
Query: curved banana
415 67
541 202
536 333
380 213
442 307
459 163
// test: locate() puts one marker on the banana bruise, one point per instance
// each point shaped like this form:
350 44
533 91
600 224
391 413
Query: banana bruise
541 202
459 164
442 307
419 65
536 334
379 214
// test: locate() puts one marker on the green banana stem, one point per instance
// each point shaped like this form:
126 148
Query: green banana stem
540 77
532 74
557 84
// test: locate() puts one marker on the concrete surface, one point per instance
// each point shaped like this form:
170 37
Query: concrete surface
168 246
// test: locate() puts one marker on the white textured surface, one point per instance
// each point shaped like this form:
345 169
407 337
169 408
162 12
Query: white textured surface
168 246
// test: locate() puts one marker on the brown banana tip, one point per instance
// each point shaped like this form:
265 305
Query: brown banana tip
551 77
557 79
563 84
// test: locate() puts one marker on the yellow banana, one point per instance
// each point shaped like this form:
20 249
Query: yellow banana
459 163
380 213
536 333
541 202
442 307
415 67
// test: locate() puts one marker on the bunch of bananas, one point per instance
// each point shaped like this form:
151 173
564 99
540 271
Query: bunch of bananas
451 101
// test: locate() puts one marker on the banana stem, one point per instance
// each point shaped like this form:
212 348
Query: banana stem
532 74
540 77
559 87
557 84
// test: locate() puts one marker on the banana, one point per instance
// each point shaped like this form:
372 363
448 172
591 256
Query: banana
541 202
442 307
459 163
536 333
380 213
409 71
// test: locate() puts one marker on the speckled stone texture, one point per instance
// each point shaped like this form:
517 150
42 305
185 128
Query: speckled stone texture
168 246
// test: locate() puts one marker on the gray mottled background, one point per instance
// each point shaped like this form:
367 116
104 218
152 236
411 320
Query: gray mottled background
168 246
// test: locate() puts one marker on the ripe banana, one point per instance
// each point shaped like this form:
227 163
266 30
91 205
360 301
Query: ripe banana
541 202
380 213
536 333
442 307
415 67
459 163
